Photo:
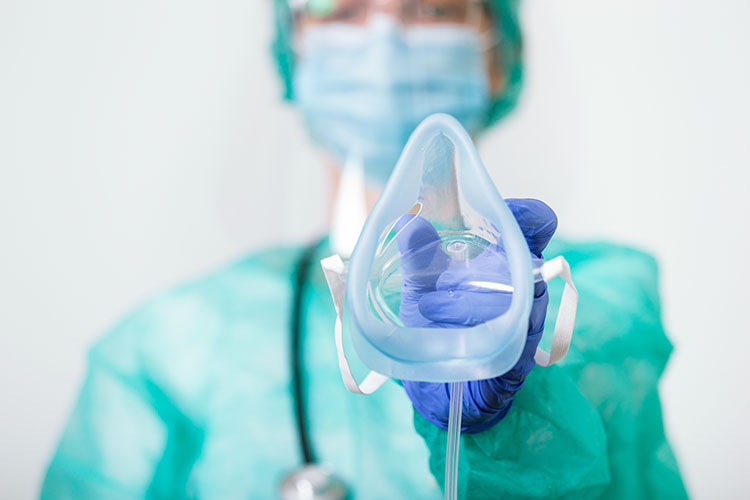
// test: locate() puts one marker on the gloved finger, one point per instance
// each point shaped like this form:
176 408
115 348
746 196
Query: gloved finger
460 307
526 361
537 220
422 258
490 269
491 266
430 399
538 313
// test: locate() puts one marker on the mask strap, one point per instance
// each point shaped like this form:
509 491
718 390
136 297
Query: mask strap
566 314
335 273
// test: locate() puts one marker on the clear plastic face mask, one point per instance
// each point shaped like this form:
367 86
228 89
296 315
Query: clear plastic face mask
463 243
440 285
439 235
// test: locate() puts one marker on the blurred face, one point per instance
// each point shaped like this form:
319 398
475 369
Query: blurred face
470 13
367 72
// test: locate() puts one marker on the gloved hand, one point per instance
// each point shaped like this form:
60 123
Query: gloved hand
436 294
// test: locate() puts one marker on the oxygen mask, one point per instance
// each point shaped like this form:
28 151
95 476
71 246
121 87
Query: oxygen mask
440 285
439 250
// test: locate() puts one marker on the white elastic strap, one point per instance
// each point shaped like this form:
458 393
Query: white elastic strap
566 315
335 273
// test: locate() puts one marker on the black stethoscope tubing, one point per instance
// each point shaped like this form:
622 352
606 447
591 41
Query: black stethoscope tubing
309 481
297 318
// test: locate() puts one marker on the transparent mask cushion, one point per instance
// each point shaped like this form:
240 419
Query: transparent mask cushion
440 187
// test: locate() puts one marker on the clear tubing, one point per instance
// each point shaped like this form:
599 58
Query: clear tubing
457 252
454 440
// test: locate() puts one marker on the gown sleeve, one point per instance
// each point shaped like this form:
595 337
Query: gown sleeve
591 426
550 445
124 439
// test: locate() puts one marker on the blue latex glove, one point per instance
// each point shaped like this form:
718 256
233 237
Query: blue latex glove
429 275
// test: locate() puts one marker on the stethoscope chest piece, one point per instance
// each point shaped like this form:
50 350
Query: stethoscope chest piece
312 482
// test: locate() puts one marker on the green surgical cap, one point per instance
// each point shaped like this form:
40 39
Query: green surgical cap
509 52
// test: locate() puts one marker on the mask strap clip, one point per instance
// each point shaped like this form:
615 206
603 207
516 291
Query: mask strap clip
335 273
566 314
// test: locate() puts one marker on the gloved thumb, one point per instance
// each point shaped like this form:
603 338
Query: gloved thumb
422 258
537 220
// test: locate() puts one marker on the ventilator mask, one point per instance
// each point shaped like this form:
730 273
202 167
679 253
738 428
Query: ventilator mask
440 184
440 217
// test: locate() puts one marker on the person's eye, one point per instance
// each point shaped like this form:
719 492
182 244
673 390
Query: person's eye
442 11
347 13
339 12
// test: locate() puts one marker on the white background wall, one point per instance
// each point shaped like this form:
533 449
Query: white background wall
143 142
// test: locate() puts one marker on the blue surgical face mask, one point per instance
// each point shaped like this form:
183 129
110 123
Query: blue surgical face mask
364 89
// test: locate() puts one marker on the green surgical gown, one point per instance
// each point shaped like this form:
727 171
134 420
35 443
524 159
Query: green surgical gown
191 397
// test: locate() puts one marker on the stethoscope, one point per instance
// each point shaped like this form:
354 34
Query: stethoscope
311 480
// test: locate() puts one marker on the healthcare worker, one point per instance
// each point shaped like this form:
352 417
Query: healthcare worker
228 386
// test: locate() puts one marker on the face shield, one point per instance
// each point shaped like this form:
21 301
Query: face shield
368 72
